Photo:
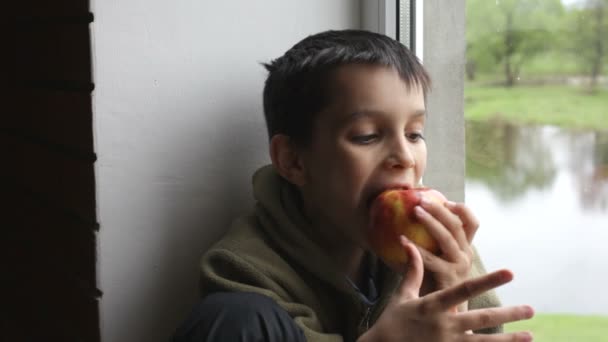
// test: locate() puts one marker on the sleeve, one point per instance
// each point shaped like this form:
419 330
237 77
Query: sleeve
486 300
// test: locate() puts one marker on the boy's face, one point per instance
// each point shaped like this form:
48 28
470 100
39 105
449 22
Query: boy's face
368 140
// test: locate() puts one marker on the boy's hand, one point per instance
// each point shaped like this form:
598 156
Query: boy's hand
409 317
453 225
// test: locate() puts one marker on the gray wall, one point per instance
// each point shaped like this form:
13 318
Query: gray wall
444 57
179 129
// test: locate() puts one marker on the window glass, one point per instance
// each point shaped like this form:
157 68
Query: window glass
536 109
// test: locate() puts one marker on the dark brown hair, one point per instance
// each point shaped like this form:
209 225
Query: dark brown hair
297 85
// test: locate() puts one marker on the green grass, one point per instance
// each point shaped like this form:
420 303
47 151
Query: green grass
558 105
551 63
562 328
555 63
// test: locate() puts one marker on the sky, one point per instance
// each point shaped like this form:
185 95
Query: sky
569 2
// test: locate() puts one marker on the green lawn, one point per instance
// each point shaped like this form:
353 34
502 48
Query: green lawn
564 328
550 63
559 105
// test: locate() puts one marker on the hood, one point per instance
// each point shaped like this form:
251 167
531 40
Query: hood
278 208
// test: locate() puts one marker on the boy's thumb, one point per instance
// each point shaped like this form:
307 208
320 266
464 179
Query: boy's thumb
412 279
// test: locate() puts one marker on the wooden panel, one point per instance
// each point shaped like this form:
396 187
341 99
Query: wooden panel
59 117
52 55
51 282
46 302
52 175
48 235
65 241
55 8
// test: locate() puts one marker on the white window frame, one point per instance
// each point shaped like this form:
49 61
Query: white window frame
394 18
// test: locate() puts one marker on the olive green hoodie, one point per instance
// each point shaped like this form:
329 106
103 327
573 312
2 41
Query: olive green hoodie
271 252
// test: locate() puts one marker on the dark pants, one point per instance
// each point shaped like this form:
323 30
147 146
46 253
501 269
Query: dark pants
238 316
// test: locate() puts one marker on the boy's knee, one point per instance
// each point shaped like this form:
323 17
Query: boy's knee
238 316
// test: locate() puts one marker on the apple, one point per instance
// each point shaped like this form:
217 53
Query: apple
392 215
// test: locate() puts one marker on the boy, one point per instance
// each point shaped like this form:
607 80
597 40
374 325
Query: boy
345 112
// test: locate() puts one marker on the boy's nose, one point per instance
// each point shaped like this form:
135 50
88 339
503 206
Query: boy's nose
400 155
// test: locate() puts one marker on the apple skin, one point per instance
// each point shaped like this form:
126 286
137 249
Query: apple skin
392 215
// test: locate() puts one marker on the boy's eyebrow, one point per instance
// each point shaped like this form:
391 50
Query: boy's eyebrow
363 113
419 112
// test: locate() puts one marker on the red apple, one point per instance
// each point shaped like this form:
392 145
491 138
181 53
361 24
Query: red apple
393 215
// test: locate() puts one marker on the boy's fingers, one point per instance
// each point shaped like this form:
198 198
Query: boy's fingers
447 242
470 223
521 336
491 317
412 280
430 261
452 296
451 220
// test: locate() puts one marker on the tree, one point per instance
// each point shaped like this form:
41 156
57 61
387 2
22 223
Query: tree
509 32
588 38
509 160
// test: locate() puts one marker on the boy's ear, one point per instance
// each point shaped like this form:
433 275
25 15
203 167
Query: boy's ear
287 159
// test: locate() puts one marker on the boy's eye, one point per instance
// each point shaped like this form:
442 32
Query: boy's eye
364 139
414 137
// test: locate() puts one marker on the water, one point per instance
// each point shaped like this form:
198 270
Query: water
541 194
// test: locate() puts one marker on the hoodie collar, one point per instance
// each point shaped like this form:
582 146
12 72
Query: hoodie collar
279 209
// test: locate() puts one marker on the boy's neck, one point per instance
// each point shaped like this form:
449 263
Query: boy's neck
345 254
349 259
352 262
342 250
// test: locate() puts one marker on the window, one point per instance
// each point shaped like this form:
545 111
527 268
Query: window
396 19
536 110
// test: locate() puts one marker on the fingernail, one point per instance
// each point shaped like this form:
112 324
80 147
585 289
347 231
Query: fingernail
525 336
450 204
420 211
529 311
506 275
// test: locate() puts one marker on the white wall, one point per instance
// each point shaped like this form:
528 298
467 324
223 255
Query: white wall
179 129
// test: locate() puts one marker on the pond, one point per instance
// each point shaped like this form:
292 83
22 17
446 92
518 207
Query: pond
541 195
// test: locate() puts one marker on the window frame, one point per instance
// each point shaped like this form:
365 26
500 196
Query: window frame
399 19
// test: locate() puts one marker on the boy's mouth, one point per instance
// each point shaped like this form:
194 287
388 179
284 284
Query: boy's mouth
374 194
